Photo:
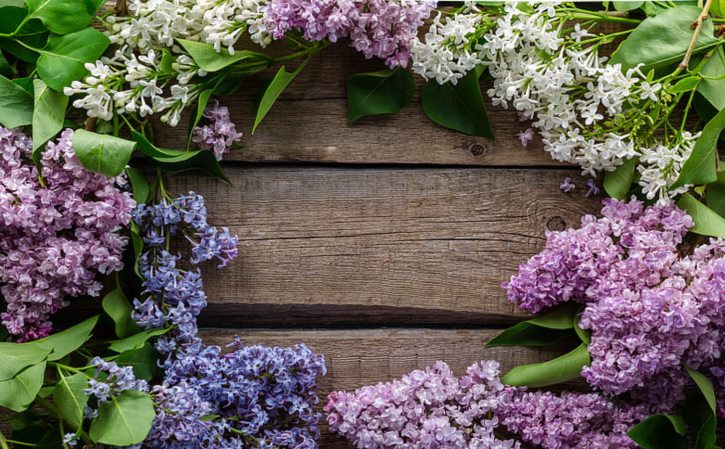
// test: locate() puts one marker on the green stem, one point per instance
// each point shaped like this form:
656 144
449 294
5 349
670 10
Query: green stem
584 14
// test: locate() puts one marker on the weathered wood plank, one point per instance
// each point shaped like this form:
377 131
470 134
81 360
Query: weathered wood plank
380 246
309 123
360 357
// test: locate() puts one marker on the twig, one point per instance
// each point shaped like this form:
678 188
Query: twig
121 7
697 27
91 124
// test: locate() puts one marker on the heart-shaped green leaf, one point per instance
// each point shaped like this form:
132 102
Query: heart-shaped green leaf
102 153
124 420
376 93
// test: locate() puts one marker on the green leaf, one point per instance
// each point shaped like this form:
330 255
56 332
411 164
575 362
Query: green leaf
685 85
48 116
139 185
627 5
63 16
203 160
544 330
459 107
618 182
718 8
716 195
712 86
273 90
662 40
102 153
201 103
560 369
701 421
117 307
17 357
705 386
210 60
707 221
63 59
136 341
63 343
19 392
701 166
5 68
27 35
16 105
376 93
660 432
124 420
70 399
137 243
142 361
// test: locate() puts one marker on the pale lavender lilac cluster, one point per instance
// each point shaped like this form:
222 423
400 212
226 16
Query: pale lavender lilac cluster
257 396
376 28
219 134
57 235
571 420
425 409
649 308
110 380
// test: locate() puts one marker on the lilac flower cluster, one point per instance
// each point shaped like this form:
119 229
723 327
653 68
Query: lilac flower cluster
57 235
256 396
110 380
649 308
376 28
426 409
220 134
570 420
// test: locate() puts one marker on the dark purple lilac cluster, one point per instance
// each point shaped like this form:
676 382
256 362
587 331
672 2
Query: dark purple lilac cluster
253 396
650 308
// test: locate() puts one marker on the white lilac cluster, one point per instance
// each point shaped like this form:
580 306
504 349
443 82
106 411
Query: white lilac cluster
587 112
149 73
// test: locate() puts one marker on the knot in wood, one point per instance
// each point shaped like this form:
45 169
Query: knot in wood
477 149
556 224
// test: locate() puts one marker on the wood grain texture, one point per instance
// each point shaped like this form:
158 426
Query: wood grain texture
309 123
378 246
361 357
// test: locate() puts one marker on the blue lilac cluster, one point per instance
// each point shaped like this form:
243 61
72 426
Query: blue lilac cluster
247 397
110 380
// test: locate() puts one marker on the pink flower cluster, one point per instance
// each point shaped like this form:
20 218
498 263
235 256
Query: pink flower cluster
54 237
376 28
426 409
219 134
649 308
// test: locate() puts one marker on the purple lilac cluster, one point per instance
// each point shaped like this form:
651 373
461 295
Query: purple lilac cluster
570 420
649 308
426 409
219 134
257 396
376 28
56 235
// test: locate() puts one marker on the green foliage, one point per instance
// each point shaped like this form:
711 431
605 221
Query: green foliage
139 185
544 330
64 57
102 153
16 357
135 341
376 93
705 386
142 361
203 160
662 40
618 182
660 432
63 16
716 195
273 90
117 307
124 420
701 421
210 60
70 399
19 392
16 104
558 370
627 6
707 221
712 86
459 107
48 116
63 343
701 166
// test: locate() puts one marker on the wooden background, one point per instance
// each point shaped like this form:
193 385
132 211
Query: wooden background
382 245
